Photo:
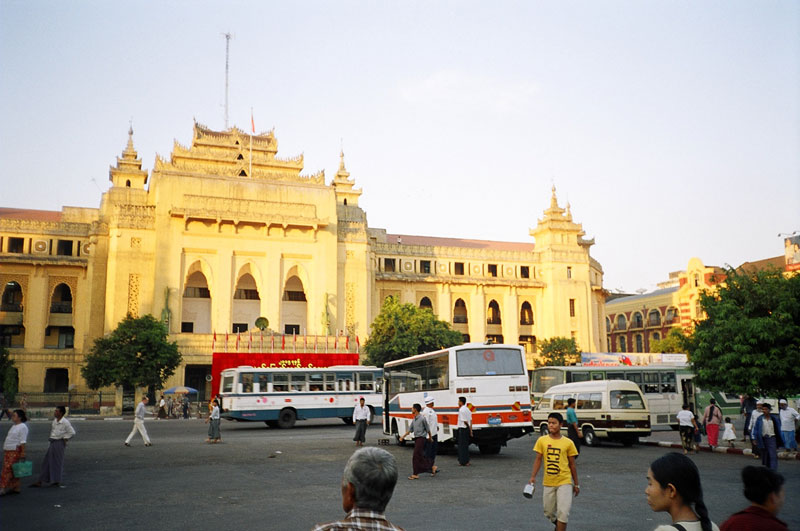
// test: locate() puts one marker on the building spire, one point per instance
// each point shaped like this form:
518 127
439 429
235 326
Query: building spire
553 198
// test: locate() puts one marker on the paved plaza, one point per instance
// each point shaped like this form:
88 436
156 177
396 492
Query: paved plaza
261 478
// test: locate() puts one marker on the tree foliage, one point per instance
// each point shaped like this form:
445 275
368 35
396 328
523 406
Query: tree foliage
402 330
750 339
136 353
558 351
674 341
8 375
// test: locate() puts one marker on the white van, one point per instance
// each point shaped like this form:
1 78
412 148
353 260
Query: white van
607 409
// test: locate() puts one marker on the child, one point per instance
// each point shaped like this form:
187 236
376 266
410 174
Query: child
560 478
730 433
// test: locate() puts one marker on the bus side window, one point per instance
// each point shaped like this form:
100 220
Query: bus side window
330 382
651 382
246 379
298 383
263 381
227 384
668 382
280 382
365 381
315 380
560 401
598 375
544 403
589 401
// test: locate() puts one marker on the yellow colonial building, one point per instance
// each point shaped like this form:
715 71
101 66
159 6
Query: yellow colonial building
225 231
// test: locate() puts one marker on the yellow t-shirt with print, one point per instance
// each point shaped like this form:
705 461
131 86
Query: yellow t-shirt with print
555 459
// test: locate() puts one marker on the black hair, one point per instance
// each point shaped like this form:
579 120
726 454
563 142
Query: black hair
760 482
728 420
462 399
570 401
62 409
712 401
21 414
555 415
417 407
681 472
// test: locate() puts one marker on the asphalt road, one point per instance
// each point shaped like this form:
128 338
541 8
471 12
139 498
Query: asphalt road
261 478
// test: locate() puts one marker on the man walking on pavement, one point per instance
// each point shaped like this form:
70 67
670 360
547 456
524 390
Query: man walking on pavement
53 466
361 416
138 424
788 416
766 433
431 445
464 431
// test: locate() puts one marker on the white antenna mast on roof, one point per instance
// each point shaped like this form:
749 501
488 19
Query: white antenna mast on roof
228 36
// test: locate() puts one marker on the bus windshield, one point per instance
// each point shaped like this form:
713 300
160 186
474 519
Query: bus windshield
544 379
489 362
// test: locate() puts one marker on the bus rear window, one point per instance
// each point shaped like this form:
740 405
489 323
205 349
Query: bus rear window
626 400
227 384
489 362
544 379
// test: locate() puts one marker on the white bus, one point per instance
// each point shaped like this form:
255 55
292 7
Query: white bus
279 397
491 377
666 387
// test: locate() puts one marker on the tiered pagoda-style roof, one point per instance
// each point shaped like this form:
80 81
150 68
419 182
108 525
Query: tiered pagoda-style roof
235 153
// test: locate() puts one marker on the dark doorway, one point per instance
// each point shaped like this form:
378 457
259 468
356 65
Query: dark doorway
199 377
56 381
128 398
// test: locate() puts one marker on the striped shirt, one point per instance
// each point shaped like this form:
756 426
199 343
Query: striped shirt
360 520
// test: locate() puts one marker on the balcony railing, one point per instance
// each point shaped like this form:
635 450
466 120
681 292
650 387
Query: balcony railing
11 307
459 319
654 322
61 307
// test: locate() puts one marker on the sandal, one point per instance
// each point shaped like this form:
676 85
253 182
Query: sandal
413 477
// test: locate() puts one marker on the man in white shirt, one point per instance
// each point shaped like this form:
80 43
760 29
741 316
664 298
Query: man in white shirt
464 431
788 416
53 466
431 445
361 414
138 424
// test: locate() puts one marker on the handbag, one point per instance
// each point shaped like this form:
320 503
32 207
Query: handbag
22 469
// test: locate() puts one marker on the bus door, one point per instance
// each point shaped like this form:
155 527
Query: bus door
687 391
345 389
386 391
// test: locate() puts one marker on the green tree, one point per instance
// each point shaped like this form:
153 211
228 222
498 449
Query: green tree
262 323
402 330
8 375
749 341
136 353
558 351
674 341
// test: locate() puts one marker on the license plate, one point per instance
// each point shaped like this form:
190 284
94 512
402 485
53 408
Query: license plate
495 421
630 425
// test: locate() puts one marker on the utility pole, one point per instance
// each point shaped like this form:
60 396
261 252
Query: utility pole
228 37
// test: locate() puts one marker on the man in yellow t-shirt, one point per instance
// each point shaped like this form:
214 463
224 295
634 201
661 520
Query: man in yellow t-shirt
560 474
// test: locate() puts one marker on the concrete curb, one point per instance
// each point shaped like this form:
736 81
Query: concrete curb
719 450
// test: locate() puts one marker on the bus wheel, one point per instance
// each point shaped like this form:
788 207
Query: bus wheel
271 423
543 430
489 449
371 414
286 418
348 420
589 437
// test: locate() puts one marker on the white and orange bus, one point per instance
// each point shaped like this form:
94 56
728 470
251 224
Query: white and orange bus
491 377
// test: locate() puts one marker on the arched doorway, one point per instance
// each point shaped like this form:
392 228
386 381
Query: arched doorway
196 305
294 306
246 304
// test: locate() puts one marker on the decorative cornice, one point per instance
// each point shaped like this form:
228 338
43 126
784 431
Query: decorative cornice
247 210
133 216
394 249
55 228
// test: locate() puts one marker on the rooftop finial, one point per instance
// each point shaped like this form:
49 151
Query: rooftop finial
553 199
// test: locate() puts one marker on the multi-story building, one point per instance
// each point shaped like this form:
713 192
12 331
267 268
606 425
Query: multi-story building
224 232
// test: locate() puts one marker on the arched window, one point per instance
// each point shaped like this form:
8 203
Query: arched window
494 313
656 336
460 312
608 325
128 183
246 303
526 314
196 303
622 323
654 318
62 300
294 308
639 343
672 315
622 344
425 302
637 321
12 298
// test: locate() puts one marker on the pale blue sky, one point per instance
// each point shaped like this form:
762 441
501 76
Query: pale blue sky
673 128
